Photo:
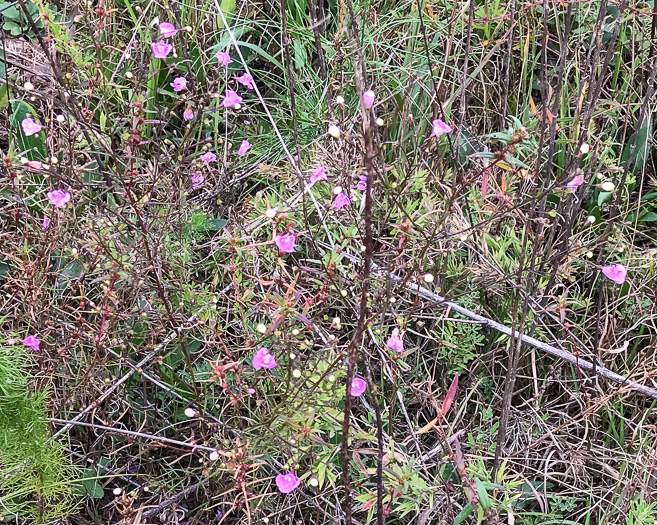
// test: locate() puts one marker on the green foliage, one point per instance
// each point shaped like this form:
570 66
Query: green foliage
16 22
460 341
642 513
35 475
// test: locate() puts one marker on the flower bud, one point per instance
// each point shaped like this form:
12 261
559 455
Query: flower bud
334 131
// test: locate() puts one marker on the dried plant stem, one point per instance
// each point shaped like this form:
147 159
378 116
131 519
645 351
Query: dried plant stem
70 422
548 349
116 385
360 77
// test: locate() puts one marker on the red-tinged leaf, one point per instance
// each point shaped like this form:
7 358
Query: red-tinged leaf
484 185
368 505
450 395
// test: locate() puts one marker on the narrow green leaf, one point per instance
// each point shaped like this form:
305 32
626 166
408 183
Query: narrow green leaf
482 494
467 510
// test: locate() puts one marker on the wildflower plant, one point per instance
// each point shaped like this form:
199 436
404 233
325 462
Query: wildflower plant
252 266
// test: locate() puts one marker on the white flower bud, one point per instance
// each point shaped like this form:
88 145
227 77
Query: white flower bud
334 131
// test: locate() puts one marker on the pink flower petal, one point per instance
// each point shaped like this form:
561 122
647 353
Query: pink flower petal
32 342
161 49
231 99
209 156
368 98
616 272
358 386
395 342
179 83
59 198
263 359
167 30
440 127
319 174
286 483
341 200
246 80
223 58
30 127
285 243
244 147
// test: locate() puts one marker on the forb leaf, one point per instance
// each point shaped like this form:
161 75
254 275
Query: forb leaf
449 398
482 494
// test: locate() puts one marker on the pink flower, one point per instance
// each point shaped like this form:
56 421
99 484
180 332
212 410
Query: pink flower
263 359
46 223
30 127
161 49
32 342
358 386
244 147
440 128
179 83
223 58
197 180
285 243
209 157
232 99
286 483
368 98
361 185
188 114
395 342
59 198
341 200
319 174
615 272
167 30
246 80
575 183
